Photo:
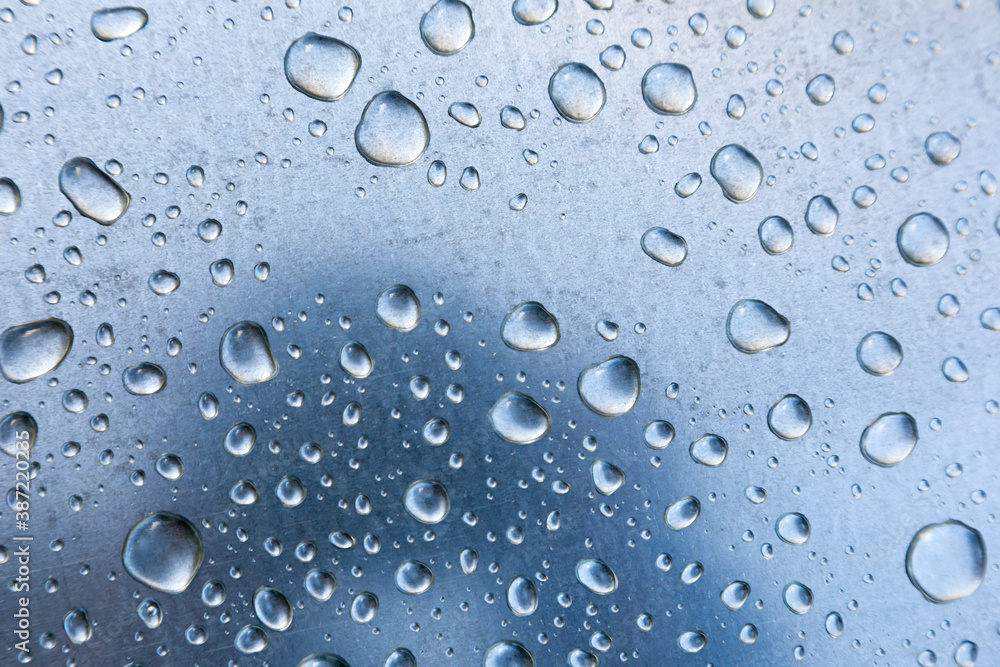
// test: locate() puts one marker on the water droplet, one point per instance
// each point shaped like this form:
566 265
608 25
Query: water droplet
922 239
792 528
398 308
753 326
321 67
843 43
664 246
272 608
76 624
735 595
760 9
709 450
392 131
320 584
889 439
92 192
465 113
798 598
789 418
363 607
437 173
596 576
163 551
355 360
668 89
879 353
966 654
245 354
512 118
946 561
528 327
577 93
323 660
658 434
607 477
163 283
533 12
942 147
32 349
613 57
681 514
18 432
522 598
413 577
610 388
447 27
400 657
775 235
506 653
144 379
251 639
955 370
518 418
822 216
240 439
117 23
469 180
692 641
737 172
10 197
427 501
195 176
834 624
820 89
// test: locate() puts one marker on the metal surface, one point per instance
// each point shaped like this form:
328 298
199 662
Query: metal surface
336 230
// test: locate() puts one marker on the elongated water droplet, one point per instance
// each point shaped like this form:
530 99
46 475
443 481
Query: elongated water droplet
738 172
245 354
117 23
533 12
517 417
10 197
753 326
92 192
144 379
32 349
77 625
822 216
681 514
664 246
272 608
596 576
465 113
18 432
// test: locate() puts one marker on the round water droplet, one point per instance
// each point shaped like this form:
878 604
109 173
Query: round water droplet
245 354
320 584
522 598
954 370
117 23
10 197
577 93
942 147
946 561
966 654
529 328
613 57
879 353
596 576
735 595
692 641
426 501
323 660
398 308
400 657
144 379
889 439
760 9
447 27
789 418
163 551
668 88
240 439
321 67
32 349
738 172
822 216
658 434
92 192
355 360
518 418
792 528
18 432
363 607
610 388
392 131
272 608
820 89
664 246
533 12
251 639
775 235
607 477
163 282
681 514
413 577
753 326
922 239
798 598
76 624
834 624
508 653
709 450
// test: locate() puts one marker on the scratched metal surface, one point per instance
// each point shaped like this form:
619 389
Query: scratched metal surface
336 230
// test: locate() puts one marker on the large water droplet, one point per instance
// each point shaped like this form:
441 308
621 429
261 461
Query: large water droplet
658 434
789 418
400 657
889 439
447 27
692 641
392 131
753 326
798 598
611 387
76 624
820 89
465 113
942 147
18 432
10 197
413 577
426 501
32 349
735 595
321 67
668 88
240 439
398 308
946 561
922 239
879 353
117 22
272 608
681 514
245 354
792 528
363 607
144 379
607 477
533 12
709 450
251 639
529 328
577 93
92 192
517 417
775 235
355 360
664 246
163 551
163 282
508 653
596 576
738 172
522 598
822 216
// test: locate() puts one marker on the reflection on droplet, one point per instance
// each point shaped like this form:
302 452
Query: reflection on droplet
323 660
320 584
392 131
447 27
76 624
596 576
272 608
798 598
240 439
946 561
163 551
427 501
355 360
753 326
507 653
889 439
709 450
32 349
922 239
668 88
942 147
321 67
118 22
681 514
533 12
400 657
413 577
792 528
822 216
363 607
465 113
834 624
92 192
245 354
163 283
517 417
398 308
738 172
522 598
692 641
610 388
879 353
775 235
528 327
10 197
735 594
664 246
613 57
251 639
144 379
607 477
18 432
658 434
954 370
789 418
820 89
577 93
